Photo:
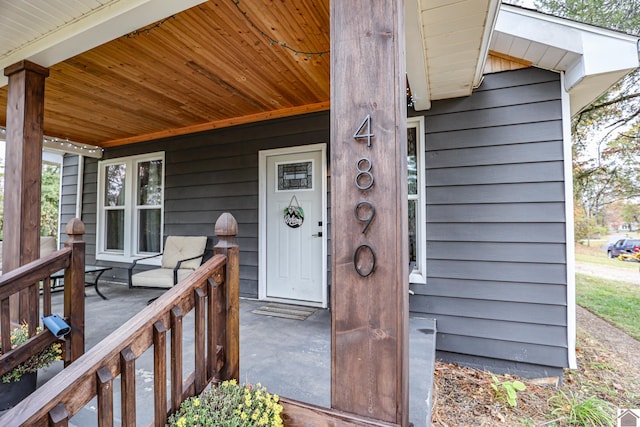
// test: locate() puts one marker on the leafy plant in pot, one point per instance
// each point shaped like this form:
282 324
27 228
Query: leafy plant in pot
18 383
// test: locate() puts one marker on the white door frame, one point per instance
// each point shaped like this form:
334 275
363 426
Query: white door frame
262 214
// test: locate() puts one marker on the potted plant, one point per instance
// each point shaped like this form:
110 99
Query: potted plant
18 383
230 404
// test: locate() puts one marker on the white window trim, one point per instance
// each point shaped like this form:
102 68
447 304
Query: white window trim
419 274
130 224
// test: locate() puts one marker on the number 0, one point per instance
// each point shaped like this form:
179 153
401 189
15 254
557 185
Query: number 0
364 253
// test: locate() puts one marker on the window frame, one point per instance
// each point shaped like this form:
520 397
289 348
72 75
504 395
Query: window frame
131 209
419 273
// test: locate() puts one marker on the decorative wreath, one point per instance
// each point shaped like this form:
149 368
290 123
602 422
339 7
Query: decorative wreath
293 214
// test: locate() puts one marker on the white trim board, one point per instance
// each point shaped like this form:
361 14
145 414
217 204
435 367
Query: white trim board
569 227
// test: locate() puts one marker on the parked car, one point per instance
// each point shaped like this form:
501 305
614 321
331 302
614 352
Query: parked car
623 246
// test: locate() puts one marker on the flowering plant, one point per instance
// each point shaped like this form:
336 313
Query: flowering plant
230 404
40 360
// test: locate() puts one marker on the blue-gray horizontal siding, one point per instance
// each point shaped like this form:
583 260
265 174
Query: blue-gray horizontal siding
207 174
495 208
68 193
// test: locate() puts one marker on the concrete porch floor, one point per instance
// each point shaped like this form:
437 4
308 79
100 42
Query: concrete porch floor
290 357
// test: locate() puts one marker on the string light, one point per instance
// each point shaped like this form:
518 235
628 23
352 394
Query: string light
147 30
66 146
272 41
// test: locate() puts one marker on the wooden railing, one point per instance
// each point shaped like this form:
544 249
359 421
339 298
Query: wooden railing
26 282
211 291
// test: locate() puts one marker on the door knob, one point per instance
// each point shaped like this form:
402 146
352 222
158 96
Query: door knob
318 234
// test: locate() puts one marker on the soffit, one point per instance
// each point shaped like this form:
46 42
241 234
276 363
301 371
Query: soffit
455 35
592 58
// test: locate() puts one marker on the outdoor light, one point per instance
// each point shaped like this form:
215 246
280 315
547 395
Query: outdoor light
56 325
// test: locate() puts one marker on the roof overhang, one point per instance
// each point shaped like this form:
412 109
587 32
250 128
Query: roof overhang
48 37
592 58
447 43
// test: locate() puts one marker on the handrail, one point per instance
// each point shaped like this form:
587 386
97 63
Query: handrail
24 283
212 291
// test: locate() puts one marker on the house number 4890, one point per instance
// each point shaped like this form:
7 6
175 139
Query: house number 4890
364 257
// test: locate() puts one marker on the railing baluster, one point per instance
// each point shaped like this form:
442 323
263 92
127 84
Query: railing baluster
5 324
212 342
58 416
176 358
105 397
34 305
46 297
160 373
128 387
200 360
218 329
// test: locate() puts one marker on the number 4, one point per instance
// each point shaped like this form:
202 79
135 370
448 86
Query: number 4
364 131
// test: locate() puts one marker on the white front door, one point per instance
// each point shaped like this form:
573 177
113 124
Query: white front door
293 252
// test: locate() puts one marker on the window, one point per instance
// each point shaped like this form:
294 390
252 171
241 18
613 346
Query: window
295 176
416 200
130 207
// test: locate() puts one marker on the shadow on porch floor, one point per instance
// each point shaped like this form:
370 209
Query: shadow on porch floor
290 357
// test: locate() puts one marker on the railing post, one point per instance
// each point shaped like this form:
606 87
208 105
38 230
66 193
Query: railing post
74 291
226 229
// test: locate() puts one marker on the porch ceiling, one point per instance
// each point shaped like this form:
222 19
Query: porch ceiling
124 71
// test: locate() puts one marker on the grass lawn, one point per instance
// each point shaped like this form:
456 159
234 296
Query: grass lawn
616 302
595 255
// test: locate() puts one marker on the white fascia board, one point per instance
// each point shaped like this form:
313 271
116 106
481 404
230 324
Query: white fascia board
417 67
604 54
563 22
493 9
105 24
531 27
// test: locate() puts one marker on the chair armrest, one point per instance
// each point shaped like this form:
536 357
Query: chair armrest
133 264
179 263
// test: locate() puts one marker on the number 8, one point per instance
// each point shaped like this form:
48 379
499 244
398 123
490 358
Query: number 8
368 177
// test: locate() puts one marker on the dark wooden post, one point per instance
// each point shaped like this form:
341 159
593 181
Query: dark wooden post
23 169
226 229
74 290
369 210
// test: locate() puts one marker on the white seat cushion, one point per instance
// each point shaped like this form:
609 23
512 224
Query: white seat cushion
159 277
182 247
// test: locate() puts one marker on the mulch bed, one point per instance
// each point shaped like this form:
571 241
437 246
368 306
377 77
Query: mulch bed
464 396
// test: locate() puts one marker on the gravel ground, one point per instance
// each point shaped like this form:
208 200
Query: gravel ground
609 336
631 276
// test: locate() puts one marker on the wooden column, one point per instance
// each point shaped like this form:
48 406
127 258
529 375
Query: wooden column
369 210
23 168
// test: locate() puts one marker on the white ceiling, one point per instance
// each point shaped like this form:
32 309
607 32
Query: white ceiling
447 43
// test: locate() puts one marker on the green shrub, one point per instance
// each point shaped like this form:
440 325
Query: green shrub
230 404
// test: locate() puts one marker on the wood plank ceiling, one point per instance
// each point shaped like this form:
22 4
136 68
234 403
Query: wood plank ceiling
216 64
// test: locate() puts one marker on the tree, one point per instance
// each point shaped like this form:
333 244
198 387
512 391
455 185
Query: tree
49 199
631 214
606 134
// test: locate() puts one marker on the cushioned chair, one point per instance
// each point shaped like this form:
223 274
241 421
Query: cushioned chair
182 256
